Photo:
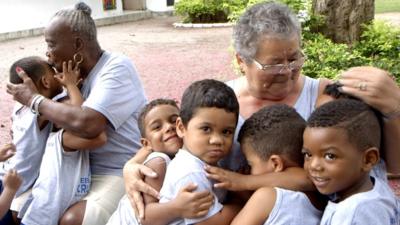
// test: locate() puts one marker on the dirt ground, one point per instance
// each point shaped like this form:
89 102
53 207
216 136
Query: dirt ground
167 59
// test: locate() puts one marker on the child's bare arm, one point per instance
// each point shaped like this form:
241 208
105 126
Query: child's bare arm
186 204
224 217
72 142
11 183
294 178
7 151
257 208
70 78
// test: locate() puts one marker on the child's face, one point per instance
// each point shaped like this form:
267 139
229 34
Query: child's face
257 165
50 84
209 134
160 129
332 162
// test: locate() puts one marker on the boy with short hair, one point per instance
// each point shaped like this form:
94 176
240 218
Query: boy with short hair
341 146
157 125
29 130
379 170
8 185
64 176
271 140
206 123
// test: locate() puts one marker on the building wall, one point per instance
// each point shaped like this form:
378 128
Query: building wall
18 15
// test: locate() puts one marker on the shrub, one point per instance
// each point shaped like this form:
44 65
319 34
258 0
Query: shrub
211 11
296 5
379 46
327 59
380 43
205 11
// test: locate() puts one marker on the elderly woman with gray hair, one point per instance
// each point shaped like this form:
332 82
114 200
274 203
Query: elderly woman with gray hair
267 40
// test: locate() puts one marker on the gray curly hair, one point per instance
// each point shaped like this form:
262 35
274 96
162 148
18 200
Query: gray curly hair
79 19
260 20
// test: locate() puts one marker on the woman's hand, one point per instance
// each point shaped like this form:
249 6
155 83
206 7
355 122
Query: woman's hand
191 204
24 92
69 76
135 186
227 180
374 86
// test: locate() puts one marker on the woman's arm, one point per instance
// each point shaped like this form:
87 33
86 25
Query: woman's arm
84 121
293 178
72 142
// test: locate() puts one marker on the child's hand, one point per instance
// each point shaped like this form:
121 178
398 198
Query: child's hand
12 180
226 179
69 75
192 204
7 151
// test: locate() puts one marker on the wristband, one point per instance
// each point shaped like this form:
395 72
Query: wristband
35 104
34 98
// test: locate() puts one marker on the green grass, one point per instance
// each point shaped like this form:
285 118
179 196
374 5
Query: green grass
382 6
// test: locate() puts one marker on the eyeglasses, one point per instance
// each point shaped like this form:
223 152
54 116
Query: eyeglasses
278 68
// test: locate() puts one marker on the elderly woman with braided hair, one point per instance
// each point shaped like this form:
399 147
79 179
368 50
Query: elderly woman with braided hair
113 97
267 40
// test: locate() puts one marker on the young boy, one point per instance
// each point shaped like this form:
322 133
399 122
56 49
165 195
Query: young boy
9 185
379 170
206 123
157 125
271 140
64 176
341 146
29 130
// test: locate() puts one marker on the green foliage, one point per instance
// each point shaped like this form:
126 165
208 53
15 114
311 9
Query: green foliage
210 11
328 59
205 11
296 5
380 43
379 46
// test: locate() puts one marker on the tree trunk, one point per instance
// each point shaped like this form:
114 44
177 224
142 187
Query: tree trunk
343 18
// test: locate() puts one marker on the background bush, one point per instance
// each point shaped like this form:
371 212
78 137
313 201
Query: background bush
379 46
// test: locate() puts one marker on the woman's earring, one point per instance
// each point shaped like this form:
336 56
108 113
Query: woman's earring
242 70
78 59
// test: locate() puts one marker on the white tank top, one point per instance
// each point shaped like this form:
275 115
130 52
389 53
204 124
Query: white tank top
293 207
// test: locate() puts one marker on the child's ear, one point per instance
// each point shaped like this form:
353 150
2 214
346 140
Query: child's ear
44 82
277 163
145 142
180 128
370 158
